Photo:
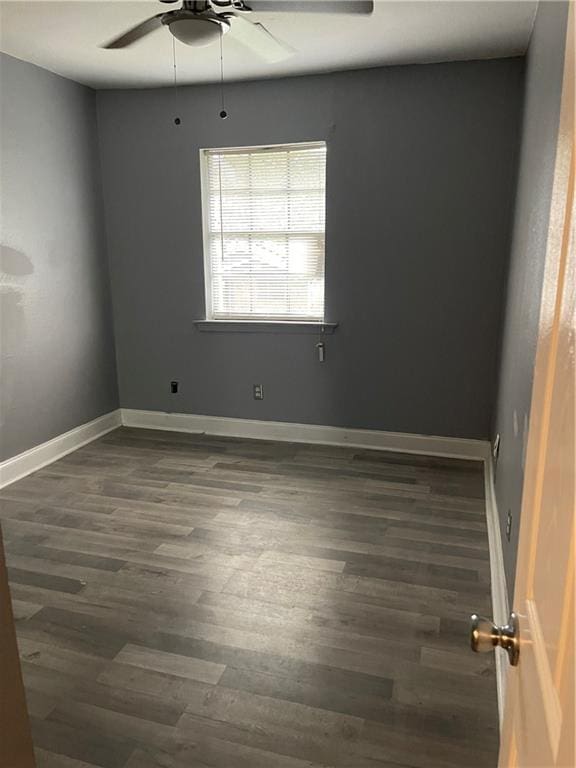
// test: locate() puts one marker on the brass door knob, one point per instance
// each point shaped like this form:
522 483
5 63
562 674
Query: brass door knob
485 636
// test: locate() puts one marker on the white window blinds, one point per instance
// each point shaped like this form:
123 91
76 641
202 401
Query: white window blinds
264 212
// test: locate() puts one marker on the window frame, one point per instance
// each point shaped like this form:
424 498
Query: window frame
268 320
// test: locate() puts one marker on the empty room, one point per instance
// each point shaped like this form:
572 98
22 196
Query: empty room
287 377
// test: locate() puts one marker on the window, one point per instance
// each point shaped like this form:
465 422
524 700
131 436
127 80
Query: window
264 212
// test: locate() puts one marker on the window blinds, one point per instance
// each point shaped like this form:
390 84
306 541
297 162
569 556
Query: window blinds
264 213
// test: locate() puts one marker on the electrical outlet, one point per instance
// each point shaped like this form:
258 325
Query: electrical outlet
496 447
508 525
258 392
174 387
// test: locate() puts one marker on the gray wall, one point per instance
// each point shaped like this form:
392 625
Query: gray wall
421 172
57 346
540 127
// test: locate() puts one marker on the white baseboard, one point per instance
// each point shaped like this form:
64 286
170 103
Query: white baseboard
308 433
500 607
29 461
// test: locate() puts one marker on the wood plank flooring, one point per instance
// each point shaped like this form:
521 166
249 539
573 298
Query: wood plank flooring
192 601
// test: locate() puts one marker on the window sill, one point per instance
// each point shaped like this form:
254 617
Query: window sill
264 326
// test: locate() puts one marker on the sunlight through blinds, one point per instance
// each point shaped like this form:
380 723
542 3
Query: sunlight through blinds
264 214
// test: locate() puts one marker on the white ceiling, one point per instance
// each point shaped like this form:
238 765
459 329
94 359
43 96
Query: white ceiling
64 37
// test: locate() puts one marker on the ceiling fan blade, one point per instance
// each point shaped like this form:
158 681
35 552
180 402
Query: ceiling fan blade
257 38
137 32
312 6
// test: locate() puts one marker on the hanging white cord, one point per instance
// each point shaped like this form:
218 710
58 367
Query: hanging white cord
223 115
221 209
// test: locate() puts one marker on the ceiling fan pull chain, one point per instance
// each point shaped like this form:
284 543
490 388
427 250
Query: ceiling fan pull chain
177 120
223 112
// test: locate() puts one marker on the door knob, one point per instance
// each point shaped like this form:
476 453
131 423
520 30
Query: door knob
485 636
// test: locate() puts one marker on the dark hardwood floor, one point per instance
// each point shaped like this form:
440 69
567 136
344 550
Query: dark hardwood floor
186 601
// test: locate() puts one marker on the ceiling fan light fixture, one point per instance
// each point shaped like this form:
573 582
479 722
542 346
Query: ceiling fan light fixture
198 31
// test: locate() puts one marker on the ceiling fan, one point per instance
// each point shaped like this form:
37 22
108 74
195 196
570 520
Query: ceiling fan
201 22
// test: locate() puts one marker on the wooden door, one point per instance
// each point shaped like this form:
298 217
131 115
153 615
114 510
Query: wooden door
538 729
